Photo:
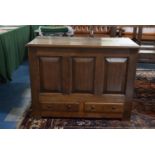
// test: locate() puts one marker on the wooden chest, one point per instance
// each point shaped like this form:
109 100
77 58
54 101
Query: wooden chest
82 77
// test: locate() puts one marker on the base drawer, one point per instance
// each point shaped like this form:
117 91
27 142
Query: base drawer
61 107
103 107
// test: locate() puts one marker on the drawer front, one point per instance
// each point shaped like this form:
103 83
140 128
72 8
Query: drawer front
103 107
61 107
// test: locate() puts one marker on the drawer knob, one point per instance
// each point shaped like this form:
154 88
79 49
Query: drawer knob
92 107
49 107
68 106
113 108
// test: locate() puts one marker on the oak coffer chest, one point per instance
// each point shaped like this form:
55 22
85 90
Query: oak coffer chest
82 77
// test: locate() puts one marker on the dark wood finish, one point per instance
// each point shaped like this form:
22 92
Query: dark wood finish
99 75
115 75
130 85
107 98
35 81
50 74
82 77
66 75
103 107
134 33
61 107
139 34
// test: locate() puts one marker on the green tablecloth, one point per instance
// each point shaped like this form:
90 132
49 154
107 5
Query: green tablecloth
13 50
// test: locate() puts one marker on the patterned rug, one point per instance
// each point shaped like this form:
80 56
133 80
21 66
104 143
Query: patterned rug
143 111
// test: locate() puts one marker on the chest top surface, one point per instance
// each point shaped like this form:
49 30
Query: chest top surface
83 42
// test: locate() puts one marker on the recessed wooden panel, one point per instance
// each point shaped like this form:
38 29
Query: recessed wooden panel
115 75
50 74
83 75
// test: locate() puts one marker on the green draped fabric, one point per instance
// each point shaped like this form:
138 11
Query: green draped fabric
13 50
33 28
54 29
13 47
3 72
